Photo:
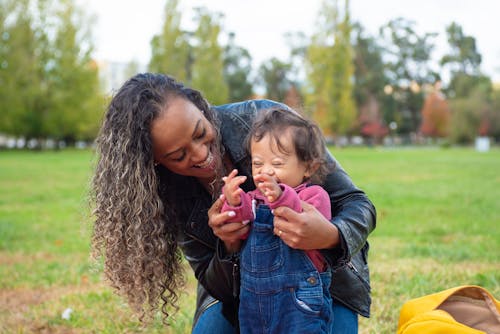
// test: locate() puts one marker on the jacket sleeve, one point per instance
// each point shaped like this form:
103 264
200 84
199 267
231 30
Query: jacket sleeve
213 269
353 214
199 246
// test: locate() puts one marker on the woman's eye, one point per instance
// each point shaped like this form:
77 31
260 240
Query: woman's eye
202 134
179 158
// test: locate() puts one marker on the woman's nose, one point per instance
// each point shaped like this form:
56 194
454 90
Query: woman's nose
199 152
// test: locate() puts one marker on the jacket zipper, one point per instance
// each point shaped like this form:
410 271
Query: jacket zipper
358 275
236 274
352 267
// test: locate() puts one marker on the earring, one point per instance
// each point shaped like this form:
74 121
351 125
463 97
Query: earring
156 164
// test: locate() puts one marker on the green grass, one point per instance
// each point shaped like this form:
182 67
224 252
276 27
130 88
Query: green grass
438 227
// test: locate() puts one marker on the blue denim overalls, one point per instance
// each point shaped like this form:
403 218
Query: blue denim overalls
281 290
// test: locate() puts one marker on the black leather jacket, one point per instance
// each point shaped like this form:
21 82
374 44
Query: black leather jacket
217 272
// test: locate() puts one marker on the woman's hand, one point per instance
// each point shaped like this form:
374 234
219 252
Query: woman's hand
229 233
306 230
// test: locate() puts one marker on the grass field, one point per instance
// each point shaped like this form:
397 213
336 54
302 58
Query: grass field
438 227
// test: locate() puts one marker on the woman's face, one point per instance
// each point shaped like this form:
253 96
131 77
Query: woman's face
183 140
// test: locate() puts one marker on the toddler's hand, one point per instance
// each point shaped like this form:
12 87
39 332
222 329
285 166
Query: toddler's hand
232 190
268 186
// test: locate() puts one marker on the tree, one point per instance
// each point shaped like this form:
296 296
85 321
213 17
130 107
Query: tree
463 56
74 82
21 71
494 116
369 69
171 52
466 121
208 57
237 68
463 61
274 75
369 84
50 85
435 115
408 69
471 92
330 70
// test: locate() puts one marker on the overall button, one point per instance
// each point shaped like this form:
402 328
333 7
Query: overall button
312 280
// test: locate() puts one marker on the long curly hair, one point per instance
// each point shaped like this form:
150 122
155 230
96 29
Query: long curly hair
135 228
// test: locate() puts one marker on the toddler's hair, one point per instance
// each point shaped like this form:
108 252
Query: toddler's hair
307 138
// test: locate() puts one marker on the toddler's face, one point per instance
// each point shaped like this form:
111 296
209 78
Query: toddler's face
285 167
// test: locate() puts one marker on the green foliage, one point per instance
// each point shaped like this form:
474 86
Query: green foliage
493 116
49 82
468 114
463 85
473 105
274 75
408 68
370 78
74 82
330 69
464 56
237 67
21 72
170 49
208 57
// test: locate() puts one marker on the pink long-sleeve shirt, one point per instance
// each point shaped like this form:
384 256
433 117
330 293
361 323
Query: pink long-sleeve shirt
291 197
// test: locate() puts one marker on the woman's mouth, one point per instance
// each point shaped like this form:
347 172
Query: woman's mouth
207 163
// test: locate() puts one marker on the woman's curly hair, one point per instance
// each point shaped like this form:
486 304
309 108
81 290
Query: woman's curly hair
135 228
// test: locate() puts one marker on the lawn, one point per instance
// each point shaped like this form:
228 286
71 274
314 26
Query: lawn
438 227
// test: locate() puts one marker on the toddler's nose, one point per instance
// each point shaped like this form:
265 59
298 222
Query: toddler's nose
269 171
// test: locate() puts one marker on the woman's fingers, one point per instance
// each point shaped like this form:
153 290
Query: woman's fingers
215 217
306 230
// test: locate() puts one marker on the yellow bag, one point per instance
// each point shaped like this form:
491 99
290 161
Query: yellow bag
467 309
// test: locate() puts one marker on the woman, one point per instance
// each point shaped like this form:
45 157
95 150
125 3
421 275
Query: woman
162 153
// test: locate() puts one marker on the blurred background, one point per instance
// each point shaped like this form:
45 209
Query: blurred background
407 93
414 73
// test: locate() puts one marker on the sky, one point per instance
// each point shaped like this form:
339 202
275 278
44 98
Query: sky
123 29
